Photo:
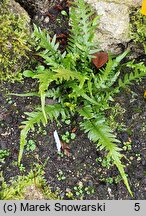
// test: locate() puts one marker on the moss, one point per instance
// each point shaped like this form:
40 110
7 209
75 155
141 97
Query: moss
32 186
138 28
14 42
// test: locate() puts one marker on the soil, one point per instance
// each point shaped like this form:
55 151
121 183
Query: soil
81 166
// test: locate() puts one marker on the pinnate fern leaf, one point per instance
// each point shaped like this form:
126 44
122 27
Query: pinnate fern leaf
82 29
45 78
47 46
45 41
109 74
100 133
37 117
66 74
139 71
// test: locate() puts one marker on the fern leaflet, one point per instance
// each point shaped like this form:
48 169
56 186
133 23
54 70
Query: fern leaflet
82 31
37 117
100 133
138 73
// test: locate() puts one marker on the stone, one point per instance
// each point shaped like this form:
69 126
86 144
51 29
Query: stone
17 9
114 22
130 3
114 19
46 20
114 25
33 193
34 7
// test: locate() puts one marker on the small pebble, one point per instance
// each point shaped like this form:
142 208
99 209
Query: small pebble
46 20
41 18
36 17
68 190
131 158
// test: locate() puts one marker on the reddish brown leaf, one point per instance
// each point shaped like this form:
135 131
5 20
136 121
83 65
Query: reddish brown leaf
74 130
65 148
58 7
100 60
60 36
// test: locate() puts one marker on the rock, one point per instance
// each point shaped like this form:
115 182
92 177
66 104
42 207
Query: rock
114 22
47 14
46 20
130 3
114 25
35 6
17 9
33 193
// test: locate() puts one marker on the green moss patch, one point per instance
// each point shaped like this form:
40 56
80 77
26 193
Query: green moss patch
14 42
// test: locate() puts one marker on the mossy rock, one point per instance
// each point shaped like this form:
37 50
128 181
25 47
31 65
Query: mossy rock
32 186
15 40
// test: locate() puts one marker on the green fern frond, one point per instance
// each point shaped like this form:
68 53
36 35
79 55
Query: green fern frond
53 93
43 97
82 29
110 73
100 133
50 51
37 117
139 71
87 112
45 78
33 118
45 41
66 74
69 61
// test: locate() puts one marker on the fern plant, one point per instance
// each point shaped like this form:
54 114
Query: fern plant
78 87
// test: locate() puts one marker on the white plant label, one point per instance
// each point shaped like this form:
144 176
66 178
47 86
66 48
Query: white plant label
57 140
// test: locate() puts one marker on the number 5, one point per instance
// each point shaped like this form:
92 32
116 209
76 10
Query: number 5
137 207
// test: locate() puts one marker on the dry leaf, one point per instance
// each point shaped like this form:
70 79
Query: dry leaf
74 130
65 148
100 60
